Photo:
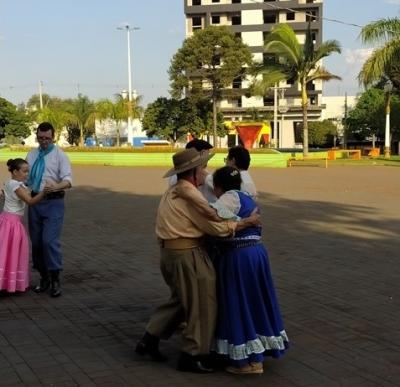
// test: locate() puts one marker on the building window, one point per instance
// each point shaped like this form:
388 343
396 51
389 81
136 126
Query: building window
298 132
236 20
216 60
309 1
290 16
290 81
268 101
196 2
215 19
196 23
215 1
314 37
238 35
236 1
269 58
268 1
310 86
311 15
265 35
313 100
239 102
237 83
269 17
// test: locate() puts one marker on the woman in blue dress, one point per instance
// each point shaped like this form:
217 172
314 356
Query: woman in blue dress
249 324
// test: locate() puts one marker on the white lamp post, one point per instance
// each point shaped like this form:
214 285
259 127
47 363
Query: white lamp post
128 29
388 89
282 108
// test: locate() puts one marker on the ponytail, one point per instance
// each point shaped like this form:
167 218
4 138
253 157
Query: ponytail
15 164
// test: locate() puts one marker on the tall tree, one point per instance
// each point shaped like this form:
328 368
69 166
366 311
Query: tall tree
82 115
300 63
118 111
172 119
14 123
207 64
367 118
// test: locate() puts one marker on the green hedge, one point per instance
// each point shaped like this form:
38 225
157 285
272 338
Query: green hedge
150 149
164 159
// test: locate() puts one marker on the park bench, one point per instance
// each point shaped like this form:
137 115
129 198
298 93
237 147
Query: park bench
371 152
354 154
308 161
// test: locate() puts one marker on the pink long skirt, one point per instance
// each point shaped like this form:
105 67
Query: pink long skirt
14 254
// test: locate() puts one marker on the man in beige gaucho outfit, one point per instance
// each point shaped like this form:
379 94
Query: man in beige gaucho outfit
181 224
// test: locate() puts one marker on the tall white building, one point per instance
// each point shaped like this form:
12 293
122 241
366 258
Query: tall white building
252 20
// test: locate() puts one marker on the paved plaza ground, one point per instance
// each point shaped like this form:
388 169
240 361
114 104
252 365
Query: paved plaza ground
333 239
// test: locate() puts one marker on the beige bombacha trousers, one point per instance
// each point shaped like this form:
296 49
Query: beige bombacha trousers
191 278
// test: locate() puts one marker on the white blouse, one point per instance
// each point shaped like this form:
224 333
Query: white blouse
12 203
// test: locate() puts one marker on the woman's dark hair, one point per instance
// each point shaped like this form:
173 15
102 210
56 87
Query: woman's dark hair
45 127
15 164
227 178
198 144
241 156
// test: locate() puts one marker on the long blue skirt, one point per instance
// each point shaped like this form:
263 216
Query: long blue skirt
249 325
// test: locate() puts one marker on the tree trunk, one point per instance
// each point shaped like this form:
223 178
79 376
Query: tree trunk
304 105
80 135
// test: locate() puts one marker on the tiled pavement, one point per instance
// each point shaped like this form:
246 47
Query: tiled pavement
334 246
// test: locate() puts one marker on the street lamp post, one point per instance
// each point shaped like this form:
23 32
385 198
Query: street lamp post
282 108
128 29
388 89
215 62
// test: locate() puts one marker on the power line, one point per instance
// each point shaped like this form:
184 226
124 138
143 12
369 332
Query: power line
309 14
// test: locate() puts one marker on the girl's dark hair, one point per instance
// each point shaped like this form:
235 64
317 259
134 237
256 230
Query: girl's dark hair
227 178
15 164
241 156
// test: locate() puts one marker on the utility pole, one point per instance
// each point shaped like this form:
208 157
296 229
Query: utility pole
128 29
345 122
274 133
40 95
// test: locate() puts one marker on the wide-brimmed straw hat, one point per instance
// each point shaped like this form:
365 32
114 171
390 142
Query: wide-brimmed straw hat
188 159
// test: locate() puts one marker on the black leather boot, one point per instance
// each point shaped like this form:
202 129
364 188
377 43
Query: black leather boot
195 364
44 283
55 290
149 346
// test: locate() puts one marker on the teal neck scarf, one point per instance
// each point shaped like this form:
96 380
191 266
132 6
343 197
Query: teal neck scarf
37 169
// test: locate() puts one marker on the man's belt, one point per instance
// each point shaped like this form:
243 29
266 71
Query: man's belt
180 243
51 195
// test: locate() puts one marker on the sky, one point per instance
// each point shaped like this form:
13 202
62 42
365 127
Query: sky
73 46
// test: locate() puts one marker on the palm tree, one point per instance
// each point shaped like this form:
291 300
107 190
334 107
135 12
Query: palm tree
118 111
82 114
299 63
383 59
382 65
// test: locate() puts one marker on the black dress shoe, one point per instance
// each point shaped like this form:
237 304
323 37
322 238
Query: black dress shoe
144 349
42 286
55 290
187 363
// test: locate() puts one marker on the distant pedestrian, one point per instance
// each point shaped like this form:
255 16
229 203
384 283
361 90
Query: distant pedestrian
14 245
48 162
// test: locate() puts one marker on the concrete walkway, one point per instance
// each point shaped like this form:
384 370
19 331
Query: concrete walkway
333 238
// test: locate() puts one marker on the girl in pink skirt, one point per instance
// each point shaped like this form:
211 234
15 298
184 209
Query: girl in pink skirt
14 247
